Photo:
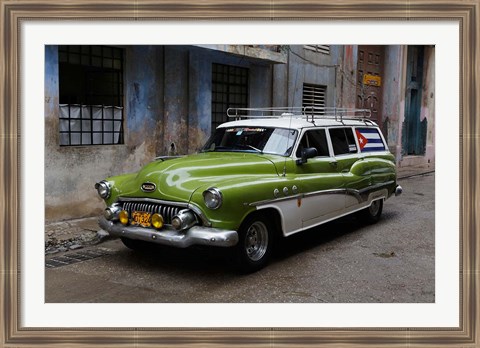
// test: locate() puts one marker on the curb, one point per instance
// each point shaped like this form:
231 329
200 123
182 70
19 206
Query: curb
407 176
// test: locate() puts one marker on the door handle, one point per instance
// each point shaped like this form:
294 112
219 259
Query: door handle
333 163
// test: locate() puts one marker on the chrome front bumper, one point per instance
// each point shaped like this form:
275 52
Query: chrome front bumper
196 235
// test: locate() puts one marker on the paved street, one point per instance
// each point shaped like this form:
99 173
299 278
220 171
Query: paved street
341 262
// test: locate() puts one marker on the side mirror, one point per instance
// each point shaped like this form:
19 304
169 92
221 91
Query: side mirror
307 153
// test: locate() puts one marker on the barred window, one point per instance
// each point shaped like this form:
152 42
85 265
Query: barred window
229 90
91 95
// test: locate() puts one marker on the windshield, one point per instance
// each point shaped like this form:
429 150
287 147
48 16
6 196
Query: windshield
277 141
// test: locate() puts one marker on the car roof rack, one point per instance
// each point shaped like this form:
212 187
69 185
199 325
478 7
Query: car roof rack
309 113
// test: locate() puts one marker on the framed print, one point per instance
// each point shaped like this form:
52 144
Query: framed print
34 32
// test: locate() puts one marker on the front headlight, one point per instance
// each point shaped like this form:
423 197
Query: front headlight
103 189
213 198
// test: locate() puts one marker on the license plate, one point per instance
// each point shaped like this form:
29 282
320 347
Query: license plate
141 218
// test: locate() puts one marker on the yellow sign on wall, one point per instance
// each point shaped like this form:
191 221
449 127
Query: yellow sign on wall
372 80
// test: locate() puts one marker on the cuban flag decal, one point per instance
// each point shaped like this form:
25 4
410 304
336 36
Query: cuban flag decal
369 140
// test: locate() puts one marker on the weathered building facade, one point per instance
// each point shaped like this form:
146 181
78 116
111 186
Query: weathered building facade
110 110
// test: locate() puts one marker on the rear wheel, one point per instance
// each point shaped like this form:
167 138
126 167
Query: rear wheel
255 243
372 214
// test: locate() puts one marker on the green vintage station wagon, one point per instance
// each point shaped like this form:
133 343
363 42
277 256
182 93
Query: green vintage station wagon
270 172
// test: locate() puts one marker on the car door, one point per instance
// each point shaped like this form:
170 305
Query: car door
351 164
319 181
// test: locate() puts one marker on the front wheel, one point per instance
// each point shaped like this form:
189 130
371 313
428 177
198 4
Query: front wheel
254 245
372 214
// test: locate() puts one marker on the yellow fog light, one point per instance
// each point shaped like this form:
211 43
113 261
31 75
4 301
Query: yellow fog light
157 220
123 217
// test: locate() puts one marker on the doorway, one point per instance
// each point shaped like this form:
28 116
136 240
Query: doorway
414 130
369 80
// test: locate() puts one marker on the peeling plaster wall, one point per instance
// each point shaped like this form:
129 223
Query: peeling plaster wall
188 94
71 171
428 102
347 77
260 83
394 93
176 100
393 97
306 66
200 99
280 85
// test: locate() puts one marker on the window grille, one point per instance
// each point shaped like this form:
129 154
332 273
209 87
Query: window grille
325 49
229 89
90 125
314 95
91 95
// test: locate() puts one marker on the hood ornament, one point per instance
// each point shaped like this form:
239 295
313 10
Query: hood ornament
148 187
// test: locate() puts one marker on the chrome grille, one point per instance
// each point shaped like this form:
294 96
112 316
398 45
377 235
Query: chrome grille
167 211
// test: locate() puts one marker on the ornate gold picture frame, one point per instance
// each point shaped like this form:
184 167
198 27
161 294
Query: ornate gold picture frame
14 13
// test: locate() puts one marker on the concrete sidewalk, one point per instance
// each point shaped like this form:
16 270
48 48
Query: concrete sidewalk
75 234
407 172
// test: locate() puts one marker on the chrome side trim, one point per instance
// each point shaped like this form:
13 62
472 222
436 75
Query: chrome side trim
275 200
326 192
301 195
196 235
360 195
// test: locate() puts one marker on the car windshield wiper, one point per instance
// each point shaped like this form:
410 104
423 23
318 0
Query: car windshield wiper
248 146
234 148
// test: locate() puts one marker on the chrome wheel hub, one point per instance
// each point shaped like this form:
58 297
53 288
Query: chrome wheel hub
375 207
256 241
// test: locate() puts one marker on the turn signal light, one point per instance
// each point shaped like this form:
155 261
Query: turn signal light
123 217
157 221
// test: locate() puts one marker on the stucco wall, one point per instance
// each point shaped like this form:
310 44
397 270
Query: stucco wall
306 66
71 171
393 97
428 102
347 77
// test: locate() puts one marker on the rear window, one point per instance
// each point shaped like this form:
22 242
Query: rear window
343 141
369 139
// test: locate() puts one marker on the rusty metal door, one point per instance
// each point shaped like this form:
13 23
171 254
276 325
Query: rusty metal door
369 83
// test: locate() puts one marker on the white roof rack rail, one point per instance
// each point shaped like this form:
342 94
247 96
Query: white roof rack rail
309 113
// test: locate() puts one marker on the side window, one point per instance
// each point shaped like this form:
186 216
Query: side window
318 140
343 141
314 138
369 140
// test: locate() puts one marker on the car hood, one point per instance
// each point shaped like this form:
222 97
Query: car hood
177 179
